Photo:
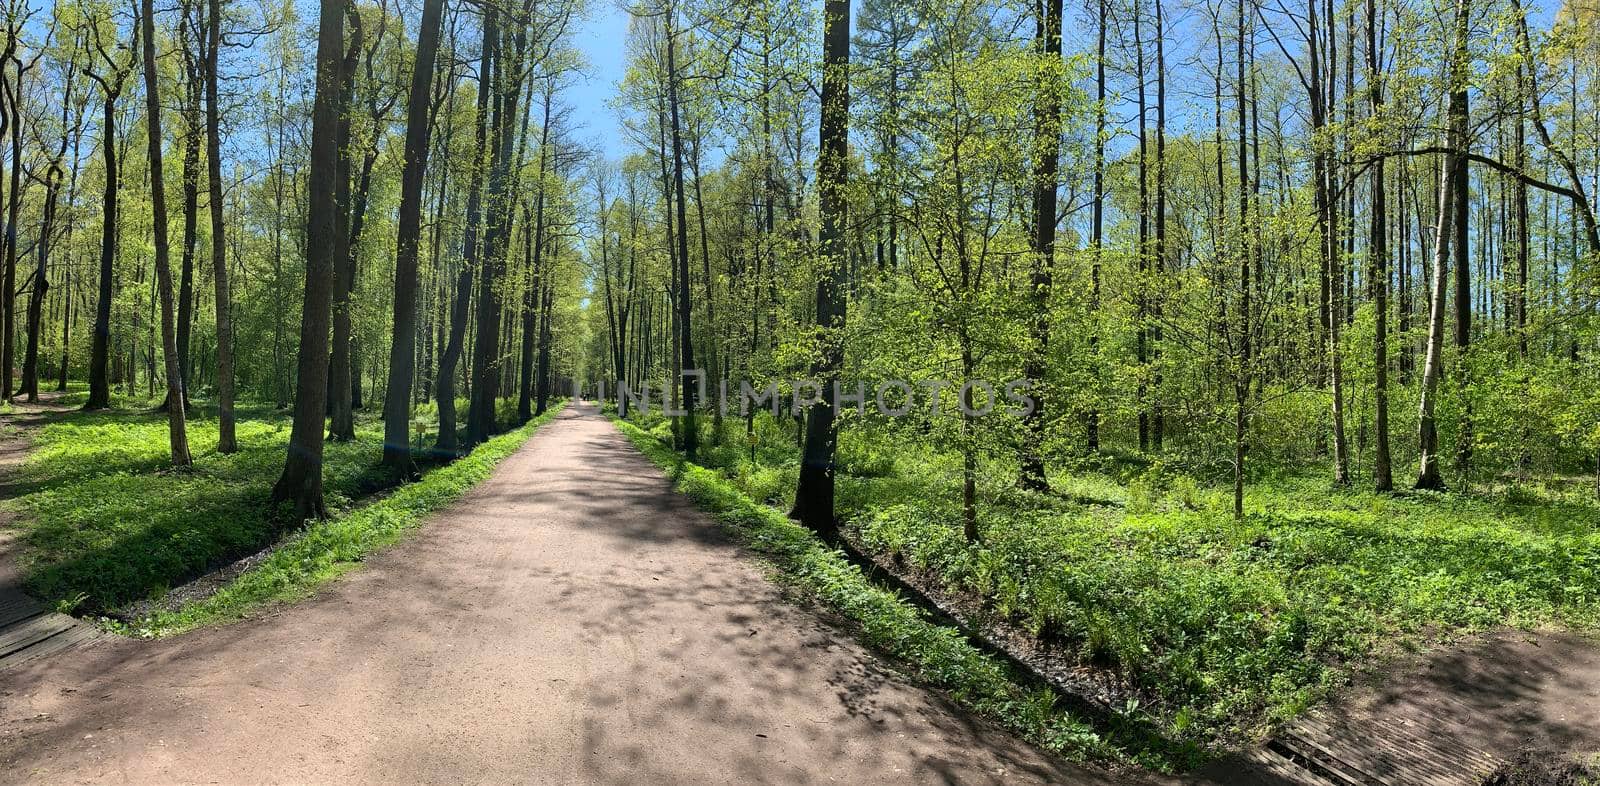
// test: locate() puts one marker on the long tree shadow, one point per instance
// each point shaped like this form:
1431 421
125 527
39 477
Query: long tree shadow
106 522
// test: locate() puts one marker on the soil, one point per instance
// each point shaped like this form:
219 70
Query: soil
570 620
574 620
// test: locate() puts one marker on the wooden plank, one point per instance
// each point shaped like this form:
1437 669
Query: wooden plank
1288 771
1314 757
33 631
78 634
16 607
1387 752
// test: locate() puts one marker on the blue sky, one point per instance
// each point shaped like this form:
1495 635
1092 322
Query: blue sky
601 38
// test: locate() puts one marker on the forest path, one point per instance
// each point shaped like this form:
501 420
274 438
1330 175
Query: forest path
28 629
571 620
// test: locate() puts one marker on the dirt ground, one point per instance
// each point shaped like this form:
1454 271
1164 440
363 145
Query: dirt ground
572 620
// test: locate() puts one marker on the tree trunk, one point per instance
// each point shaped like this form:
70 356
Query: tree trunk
342 427
445 388
534 243
813 504
1097 226
1428 475
100 350
531 232
691 434
1158 255
301 482
1462 193
177 432
402 349
486 357
1047 155
542 373
66 333
227 442
1245 248
7 278
713 351
8 282
41 284
1382 469
191 208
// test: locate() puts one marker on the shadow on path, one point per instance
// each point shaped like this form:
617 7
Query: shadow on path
570 620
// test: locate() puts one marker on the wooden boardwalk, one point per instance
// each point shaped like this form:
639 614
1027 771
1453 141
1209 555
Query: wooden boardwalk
1449 718
29 630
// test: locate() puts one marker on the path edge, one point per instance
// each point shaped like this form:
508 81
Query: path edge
325 549
938 656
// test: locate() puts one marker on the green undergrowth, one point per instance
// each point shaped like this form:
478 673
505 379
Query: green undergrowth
1221 630
107 522
938 654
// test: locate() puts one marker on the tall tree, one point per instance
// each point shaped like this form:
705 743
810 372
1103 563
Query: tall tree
1245 249
445 387
54 177
1047 155
1158 254
177 430
397 394
12 94
111 81
193 87
8 117
341 420
1461 185
487 358
300 485
534 239
1428 473
227 441
813 500
1097 219
683 299
1378 241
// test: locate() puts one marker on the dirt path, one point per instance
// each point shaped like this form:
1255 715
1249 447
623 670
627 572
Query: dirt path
572 620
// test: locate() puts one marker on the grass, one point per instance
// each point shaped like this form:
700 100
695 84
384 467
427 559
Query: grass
1219 629
106 522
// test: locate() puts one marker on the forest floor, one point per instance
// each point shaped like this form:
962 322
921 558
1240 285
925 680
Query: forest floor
571 620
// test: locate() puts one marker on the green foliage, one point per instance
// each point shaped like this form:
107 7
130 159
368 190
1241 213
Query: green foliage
107 519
